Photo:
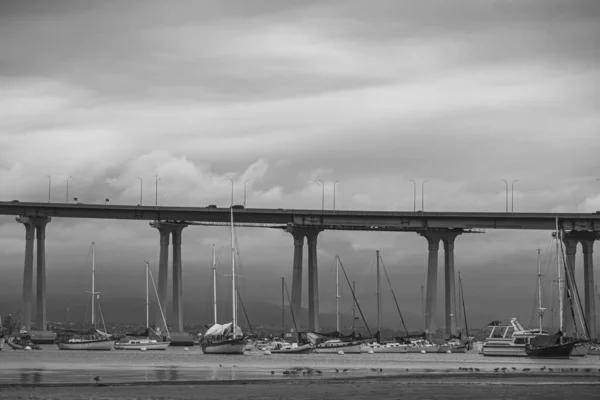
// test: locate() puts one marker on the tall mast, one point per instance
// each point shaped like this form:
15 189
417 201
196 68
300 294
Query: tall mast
354 305
561 287
540 309
282 304
147 296
378 296
423 308
337 294
214 262
93 281
233 292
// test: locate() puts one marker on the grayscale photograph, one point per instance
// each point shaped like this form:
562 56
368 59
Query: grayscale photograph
299 199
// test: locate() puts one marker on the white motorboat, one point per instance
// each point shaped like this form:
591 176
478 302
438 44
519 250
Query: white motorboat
335 345
101 343
391 347
293 348
508 340
141 344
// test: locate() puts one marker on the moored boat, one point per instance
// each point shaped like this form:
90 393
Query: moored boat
508 340
549 346
336 345
292 348
100 343
22 342
141 344
1 342
391 347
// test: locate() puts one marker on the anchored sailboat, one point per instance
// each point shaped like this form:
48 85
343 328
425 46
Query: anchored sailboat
148 339
227 338
301 347
90 339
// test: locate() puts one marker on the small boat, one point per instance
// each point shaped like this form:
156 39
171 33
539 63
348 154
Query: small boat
293 348
508 340
335 345
147 339
453 345
422 346
389 347
549 346
227 338
22 342
594 350
92 339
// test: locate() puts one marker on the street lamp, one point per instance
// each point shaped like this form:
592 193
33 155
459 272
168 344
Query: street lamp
245 183
506 183
423 195
231 180
414 195
334 183
49 186
322 194
512 195
156 190
67 195
141 189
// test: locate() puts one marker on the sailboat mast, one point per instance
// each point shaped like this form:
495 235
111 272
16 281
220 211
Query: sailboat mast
561 288
354 305
282 304
147 296
540 309
423 308
337 294
214 264
233 292
93 281
378 295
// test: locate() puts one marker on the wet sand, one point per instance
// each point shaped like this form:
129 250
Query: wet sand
415 388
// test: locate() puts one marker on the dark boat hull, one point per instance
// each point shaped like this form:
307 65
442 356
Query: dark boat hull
555 351
232 346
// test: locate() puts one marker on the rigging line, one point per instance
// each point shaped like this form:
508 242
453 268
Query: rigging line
245 314
578 306
291 308
102 317
393 294
569 287
354 296
462 292
159 305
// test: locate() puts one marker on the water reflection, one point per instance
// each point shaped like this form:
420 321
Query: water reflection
30 377
173 374
160 374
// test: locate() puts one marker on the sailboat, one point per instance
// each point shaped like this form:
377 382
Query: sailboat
90 339
146 340
227 338
335 345
301 347
554 346
378 346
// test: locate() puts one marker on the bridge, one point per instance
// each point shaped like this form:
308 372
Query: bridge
303 225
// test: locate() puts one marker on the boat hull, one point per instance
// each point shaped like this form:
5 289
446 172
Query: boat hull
234 346
18 346
453 349
90 345
1 343
348 348
140 346
559 351
420 349
503 351
384 349
581 350
304 349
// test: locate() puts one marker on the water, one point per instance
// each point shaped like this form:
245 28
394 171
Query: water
52 366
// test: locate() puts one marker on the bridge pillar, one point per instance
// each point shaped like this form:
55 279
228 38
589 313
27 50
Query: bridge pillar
588 279
27 272
40 235
297 275
313 281
450 281
177 277
433 239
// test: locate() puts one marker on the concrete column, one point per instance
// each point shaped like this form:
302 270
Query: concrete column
40 234
313 281
297 276
177 278
568 321
27 273
163 274
588 282
450 282
432 266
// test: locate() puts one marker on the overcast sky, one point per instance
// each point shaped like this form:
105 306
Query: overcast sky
282 93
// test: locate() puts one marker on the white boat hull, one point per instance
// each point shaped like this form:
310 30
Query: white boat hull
141 346
503 351
303 349
87 345
384 349
225 347
1 343
421 349
347 348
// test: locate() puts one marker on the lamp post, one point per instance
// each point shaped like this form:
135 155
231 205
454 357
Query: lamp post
322 194
231 180
506 183
245 183
334 183
67 194
512 195
414 195
49 186
156 190
141 189
423 195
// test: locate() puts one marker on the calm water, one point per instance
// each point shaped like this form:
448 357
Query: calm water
176 364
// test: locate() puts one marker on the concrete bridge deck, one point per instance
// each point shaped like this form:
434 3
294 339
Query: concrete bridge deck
326 219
